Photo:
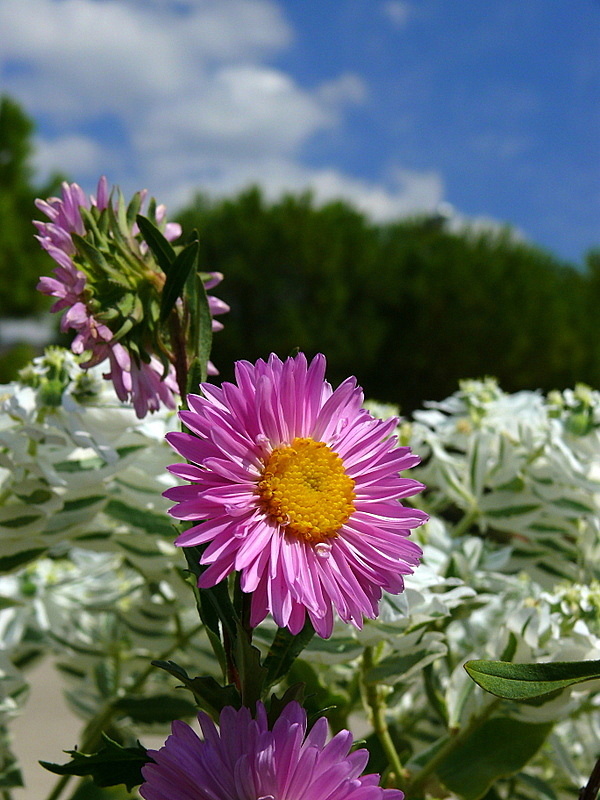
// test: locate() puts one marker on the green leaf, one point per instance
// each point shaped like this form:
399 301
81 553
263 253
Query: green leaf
251 672
82 502
20 522
196 376
524 681
156 708
160 247
210 695
185 264
10 776
512 511
8 563
111 765
140 518
201 329
497 749
285 649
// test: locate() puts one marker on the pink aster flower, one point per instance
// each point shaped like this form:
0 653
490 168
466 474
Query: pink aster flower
297 487
141 382
247 761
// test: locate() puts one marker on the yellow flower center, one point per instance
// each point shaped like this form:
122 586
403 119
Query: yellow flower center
306 489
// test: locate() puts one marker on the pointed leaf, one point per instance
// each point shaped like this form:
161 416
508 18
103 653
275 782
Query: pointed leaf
277 704
285 649
185 263
201 332
111 765
160 247
497 749
213 601
210 695
251 672
524 681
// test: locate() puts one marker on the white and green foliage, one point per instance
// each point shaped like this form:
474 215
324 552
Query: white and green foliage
510 571
89 570
76 467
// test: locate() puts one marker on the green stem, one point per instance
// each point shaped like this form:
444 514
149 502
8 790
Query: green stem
374 699
465 523
455 740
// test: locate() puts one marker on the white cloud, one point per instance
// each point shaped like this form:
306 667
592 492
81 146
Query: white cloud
85 56
197 104
240 110
407 192
85 157
397 11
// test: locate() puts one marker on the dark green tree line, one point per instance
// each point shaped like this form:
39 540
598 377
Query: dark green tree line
408 307
21 258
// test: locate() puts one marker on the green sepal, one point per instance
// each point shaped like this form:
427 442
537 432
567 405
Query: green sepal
521 682
110 766
119 233
184 264
92 225
161 248
133 209
284 650
211 696
94 259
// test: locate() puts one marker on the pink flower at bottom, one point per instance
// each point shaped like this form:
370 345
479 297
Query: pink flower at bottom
297 487
244 760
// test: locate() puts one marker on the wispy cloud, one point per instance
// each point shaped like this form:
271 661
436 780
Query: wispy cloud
397 11
194 94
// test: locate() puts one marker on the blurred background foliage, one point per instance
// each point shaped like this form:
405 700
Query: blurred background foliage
409 307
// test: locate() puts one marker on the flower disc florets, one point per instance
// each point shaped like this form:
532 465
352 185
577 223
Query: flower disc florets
306 490
245 760
296 486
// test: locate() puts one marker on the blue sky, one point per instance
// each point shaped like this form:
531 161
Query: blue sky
398 106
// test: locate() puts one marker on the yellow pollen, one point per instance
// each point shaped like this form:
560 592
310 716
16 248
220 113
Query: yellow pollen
305 488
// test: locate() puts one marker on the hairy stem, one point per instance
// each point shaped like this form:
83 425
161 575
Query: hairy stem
374 700
465 523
